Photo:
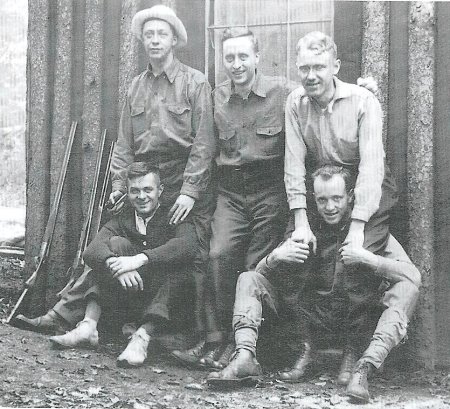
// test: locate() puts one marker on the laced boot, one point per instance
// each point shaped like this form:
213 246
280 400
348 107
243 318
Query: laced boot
358 386
190 357
302 367
348 363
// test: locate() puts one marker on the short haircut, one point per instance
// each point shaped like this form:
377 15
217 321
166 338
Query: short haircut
140 169
236 32
317 42
326 172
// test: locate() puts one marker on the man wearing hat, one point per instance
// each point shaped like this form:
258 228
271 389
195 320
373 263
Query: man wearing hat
167 119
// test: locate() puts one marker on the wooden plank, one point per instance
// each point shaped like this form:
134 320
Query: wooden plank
39 112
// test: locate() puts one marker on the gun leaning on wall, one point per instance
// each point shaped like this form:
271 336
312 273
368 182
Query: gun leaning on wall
93 216
41 260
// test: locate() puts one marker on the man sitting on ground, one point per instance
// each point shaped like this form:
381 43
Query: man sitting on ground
138 262
327 295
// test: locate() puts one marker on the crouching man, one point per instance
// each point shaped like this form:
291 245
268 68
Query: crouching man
315 290
138 262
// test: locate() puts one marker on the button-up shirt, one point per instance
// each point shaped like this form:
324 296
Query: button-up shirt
347 133
251 129
168 117
141 223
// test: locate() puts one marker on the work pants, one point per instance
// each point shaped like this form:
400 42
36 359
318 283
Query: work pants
248 223
155 302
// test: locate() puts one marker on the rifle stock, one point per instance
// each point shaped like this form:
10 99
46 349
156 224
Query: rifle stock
50 227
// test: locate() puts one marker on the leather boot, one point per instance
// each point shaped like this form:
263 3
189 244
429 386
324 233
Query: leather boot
348 363
242 368
358 386
47 324
190 357
302 367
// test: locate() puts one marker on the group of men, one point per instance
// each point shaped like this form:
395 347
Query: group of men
274 196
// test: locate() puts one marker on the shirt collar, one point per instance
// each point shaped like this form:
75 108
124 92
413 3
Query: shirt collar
258 88
171 71
140 219
341 90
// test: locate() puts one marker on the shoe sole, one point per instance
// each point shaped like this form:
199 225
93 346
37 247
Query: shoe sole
83 345
126 364
187 364
358 398
221 383
311 373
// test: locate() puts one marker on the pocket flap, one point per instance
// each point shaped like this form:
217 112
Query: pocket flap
178 109
269 130
137 110
225 135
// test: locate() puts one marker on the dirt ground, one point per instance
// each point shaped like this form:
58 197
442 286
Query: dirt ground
32 374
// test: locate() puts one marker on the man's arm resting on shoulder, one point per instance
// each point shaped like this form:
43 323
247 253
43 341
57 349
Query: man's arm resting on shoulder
394 265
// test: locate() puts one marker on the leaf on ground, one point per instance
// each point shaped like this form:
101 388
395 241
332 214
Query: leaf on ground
85 355
94 390
40 361
158 371
10 379
175 383
194 386
320 383
335 399
100 366
168 398
281 387
124 375
89 380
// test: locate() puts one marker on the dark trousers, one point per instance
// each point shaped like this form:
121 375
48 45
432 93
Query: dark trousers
248 224
156 302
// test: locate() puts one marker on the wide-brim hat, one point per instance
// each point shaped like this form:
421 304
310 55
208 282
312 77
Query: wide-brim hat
159 12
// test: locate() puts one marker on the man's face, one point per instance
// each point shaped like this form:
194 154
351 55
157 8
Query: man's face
316 72
158 40
144 193
240 60
332 199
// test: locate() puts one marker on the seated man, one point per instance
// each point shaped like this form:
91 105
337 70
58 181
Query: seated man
317 291
138 261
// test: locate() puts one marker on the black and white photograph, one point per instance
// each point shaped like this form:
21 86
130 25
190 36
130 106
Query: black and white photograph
224 204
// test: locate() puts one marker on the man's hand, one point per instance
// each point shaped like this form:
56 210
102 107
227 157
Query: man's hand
355 236
357 256
125 264
131 280
181 208
304 234
291 252
369 83
113 198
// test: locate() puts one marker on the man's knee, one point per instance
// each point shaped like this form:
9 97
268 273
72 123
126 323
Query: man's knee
402 296
121 246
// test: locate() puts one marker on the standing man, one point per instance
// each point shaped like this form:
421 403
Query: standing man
139 265
325 301
332 122
167 116
166 119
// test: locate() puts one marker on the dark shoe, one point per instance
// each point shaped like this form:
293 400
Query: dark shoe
302 367
225 356
240 371
190 357
211 356
358 386
348 363
46 324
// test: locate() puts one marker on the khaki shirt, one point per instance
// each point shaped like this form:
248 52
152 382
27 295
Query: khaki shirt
348 132
168 118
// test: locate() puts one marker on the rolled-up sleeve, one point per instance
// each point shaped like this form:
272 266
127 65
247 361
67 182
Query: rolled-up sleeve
198 167
295 153
371 165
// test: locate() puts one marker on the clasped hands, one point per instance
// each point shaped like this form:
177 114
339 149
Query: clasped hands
124 269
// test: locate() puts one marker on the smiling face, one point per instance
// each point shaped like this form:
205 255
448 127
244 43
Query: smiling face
144 193
158 39
316 70
332 199
240 60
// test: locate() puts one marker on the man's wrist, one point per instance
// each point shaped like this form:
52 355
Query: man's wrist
142 259
357 225
271 261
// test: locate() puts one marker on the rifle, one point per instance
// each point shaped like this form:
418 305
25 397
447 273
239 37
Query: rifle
41 259
89 229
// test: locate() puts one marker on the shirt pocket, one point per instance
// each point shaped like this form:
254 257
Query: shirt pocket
138 120
228 141
268 139
179 119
